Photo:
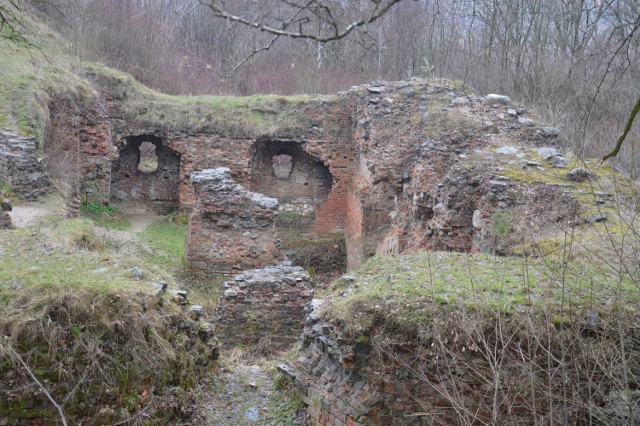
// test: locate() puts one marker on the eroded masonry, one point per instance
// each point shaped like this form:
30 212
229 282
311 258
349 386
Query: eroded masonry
390 167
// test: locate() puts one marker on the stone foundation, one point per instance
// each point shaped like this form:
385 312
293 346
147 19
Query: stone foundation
231 229
266 303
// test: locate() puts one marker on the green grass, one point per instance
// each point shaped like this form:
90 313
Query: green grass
62 254
105 216
406 290
167 241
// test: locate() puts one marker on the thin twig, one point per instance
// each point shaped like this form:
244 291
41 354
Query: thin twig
63 419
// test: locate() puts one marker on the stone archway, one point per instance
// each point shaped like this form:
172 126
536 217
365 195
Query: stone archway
153 180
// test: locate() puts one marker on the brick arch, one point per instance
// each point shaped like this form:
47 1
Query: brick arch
159 188
308 183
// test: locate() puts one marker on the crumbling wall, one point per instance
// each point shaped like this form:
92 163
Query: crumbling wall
269 303
20 167
231 229
78 150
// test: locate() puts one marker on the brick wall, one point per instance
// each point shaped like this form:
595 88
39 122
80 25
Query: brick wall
159 187
309 181
264 303
231 229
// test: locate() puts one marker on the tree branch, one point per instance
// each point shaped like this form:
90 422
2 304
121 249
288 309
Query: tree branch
315 8
17 356
627 128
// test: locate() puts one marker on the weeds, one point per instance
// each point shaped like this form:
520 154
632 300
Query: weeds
98 209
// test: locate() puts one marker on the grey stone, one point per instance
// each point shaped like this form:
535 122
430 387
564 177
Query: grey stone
229 293
6 205
526 121
375 89
289 280
196 311
493 99
409 93
137 272
550 132
180 293
347 278
559 161
160 288
427 144
477 219
264 201
252 414
508 150
425 117
512 112
99 270
579 174
220 173
597 218
460 101
547 152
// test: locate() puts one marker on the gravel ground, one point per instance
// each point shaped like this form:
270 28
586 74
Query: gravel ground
242 394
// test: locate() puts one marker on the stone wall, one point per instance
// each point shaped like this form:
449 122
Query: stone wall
269 303
20 167
78 149
405 164
448 377
230 229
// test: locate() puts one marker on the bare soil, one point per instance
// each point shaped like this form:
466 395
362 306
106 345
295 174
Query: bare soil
24 215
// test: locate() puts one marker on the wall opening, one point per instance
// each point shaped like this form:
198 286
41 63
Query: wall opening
146 171
284 171
282 165
148 162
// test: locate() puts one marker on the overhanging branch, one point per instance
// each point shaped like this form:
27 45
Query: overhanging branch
322 13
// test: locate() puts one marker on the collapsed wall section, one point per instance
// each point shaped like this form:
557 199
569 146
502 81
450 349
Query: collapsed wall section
231 229
269 303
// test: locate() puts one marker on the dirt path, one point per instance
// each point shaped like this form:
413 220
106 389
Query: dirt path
24 215
245 395
139 222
